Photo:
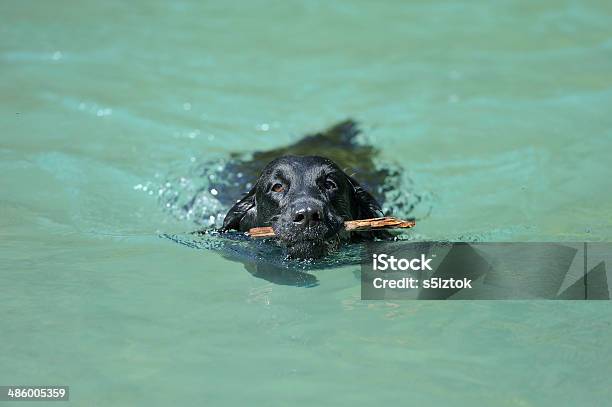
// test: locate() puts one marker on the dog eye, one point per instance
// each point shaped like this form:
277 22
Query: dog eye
329 184
278 187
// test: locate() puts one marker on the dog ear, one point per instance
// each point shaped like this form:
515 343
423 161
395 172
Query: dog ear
366 206
246 206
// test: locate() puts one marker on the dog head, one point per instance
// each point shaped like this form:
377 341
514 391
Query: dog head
305 199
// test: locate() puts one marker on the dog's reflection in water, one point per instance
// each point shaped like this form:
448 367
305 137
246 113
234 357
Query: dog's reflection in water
268 259
281 275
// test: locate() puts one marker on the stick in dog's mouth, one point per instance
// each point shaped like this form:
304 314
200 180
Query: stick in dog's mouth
360 225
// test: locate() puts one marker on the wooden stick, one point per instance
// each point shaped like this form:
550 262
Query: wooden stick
359 225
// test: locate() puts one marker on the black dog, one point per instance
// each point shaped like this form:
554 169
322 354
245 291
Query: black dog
306 199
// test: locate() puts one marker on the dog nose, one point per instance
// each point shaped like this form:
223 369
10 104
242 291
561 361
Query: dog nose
307 215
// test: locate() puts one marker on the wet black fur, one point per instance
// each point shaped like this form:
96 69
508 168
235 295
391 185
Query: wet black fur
305 179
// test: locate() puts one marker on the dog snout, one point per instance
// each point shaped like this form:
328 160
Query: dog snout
307 215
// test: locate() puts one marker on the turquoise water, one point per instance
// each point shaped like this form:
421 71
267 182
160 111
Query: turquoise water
500 114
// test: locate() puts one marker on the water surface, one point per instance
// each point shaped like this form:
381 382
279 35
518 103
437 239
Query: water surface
499 113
